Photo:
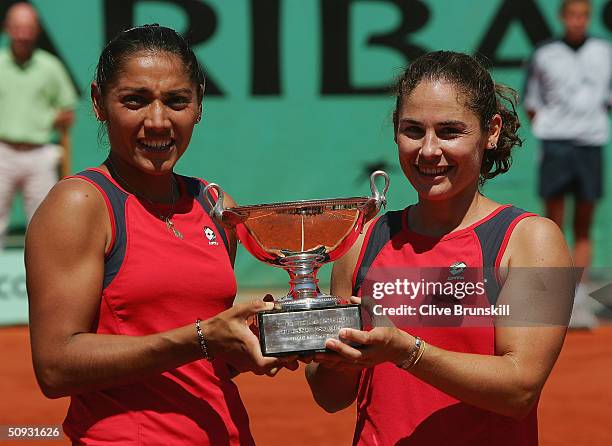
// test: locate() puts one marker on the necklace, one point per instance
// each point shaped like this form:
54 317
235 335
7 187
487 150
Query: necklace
165 218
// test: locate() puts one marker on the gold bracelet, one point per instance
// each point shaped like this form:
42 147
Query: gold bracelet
418 358
202 341
412 358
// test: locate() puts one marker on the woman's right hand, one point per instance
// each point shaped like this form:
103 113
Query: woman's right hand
229 337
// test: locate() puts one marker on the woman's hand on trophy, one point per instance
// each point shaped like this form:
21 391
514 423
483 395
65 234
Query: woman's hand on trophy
378 345
370 317
228 336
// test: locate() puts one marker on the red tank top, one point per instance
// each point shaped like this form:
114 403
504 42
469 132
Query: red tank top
393 406
154 281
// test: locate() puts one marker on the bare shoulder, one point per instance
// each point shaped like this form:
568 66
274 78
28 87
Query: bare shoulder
537 241
71 198
73 208
228 201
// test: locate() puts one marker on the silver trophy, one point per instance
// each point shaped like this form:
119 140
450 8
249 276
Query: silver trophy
300 236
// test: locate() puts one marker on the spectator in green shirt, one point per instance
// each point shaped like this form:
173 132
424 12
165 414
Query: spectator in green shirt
36 100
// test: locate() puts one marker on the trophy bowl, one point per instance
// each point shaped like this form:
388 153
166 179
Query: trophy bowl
301 236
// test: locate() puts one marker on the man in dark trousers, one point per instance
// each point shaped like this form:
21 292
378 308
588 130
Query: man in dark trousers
567 97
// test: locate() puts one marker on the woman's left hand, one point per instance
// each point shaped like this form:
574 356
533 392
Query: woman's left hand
378 345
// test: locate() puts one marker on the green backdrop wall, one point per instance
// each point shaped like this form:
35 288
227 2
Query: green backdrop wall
297 105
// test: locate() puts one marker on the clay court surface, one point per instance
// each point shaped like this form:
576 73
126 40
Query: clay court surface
575 409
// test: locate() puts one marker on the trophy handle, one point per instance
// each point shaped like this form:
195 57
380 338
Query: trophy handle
226 216
216 209
380 198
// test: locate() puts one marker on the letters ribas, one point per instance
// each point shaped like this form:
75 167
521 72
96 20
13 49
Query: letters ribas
335 26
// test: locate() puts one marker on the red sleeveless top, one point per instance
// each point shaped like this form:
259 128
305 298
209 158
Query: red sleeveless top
154 281
393 406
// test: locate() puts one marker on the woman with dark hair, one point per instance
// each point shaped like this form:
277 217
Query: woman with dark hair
130 282
434 370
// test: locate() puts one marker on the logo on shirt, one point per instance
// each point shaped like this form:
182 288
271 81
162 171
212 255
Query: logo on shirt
210 235
456 270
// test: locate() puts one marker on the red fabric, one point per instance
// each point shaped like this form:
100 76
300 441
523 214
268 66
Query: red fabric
396 408
362 252
165 283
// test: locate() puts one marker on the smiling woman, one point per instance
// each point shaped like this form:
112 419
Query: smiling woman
150 97
130 282
450 368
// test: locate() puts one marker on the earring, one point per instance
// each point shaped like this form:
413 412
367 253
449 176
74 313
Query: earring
493 146
198 118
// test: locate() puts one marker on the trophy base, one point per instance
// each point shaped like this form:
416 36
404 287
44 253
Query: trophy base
304 331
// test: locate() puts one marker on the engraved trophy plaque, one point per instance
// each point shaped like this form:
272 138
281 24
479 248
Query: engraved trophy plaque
300 236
